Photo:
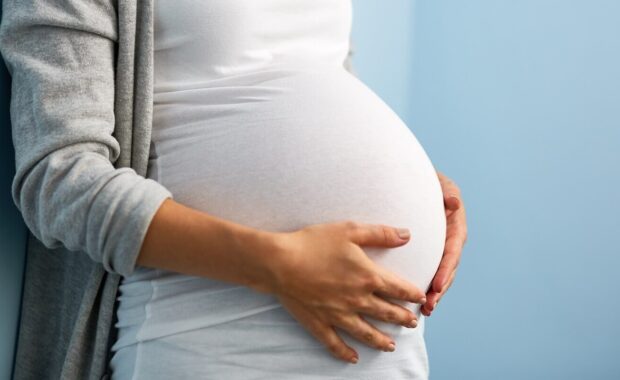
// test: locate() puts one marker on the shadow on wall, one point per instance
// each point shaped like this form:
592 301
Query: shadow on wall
12 237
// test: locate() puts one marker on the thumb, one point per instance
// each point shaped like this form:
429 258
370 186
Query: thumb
379 235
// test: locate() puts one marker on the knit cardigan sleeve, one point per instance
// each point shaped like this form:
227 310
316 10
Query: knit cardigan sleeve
61 57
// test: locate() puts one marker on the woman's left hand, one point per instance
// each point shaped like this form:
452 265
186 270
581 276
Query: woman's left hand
456 236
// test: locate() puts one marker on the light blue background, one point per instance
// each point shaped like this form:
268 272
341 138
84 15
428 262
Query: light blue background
518 102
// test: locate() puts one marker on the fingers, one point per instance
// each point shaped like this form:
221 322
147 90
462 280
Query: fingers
383 310
366 333
449 262
457 223
456 235
390 285
323 332
448 187
433 297
376 235
393 286
452 202
334 343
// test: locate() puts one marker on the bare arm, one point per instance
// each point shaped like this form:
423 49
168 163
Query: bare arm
191 235
189 241
61 59
319 273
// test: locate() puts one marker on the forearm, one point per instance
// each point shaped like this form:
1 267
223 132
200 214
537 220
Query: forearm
188 241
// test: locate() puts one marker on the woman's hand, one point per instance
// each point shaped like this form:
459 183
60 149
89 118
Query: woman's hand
325 280
456 236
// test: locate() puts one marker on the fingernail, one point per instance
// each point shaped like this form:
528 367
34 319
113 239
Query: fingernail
391 347
412 324
403 233
354 359
423 301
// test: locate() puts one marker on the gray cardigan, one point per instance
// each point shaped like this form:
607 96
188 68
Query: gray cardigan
81 112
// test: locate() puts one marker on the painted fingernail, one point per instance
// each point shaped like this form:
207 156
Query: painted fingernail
456 201
403 233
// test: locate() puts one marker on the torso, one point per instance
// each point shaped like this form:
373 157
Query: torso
257 121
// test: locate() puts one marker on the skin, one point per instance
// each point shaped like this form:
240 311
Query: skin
456 237
319 273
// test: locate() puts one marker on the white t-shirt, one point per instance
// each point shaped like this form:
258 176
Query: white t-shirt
257 121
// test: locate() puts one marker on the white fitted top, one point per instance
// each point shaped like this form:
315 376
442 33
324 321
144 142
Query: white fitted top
257 121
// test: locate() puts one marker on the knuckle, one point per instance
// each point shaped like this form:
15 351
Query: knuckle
351 225
358 331
334 347
341 319
361 331
402 294
455 262
372 281
391 316
333 344
368 336
318 330
387 234
358 303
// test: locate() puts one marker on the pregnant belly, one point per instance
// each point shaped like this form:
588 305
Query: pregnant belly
285 149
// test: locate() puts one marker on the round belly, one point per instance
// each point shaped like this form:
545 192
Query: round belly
279 150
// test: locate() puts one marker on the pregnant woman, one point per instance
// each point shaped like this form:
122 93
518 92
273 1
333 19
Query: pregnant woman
300 227
257 121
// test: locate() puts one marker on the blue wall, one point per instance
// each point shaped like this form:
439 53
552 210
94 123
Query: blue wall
519 102
383 53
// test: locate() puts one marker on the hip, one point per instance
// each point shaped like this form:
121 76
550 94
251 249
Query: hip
267 345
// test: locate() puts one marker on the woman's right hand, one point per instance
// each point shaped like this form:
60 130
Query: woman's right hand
325 280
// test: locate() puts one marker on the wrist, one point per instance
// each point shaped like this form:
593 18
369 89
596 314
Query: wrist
261 253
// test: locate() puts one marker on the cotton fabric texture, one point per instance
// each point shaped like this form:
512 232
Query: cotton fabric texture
255 120
81 113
